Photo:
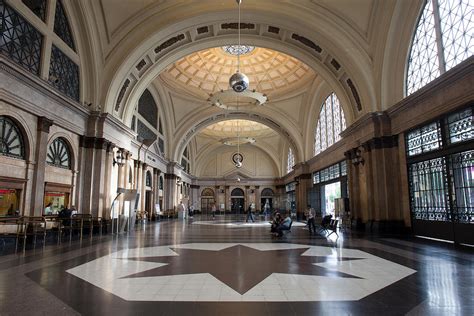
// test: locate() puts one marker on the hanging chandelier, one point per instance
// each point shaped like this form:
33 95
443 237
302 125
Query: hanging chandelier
239 82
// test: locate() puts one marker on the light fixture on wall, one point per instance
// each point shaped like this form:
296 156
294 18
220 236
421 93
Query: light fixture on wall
239 82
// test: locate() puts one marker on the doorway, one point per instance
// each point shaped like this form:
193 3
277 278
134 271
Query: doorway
329 193
237 205
148 204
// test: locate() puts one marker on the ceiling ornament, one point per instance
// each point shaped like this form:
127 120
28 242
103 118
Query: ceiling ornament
233 141
227 99
237 50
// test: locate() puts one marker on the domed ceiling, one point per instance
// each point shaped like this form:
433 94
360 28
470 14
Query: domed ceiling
230 128
270 72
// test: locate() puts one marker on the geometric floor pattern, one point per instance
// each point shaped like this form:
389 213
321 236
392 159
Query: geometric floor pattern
276 272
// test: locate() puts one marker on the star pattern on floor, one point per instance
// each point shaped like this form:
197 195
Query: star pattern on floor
240 267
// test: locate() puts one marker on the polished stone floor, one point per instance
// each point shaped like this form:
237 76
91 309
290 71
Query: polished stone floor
228 267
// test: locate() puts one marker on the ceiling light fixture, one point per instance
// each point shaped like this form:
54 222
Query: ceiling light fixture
239 82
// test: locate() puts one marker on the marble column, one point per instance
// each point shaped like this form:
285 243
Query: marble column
37 199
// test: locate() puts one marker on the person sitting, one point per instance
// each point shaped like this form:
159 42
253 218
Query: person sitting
285 225
277 219
65 214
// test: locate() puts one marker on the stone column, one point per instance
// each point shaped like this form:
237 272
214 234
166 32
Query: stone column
375 185
109 160
227 197
303 183
143 187
170 192
99 180
37 199
257 199
87 148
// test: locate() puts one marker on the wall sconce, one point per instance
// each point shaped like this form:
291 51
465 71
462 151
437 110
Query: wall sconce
178 181
357 158
119 159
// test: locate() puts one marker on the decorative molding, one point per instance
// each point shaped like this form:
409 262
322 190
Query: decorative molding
307 42
44 124
169 42
122 94
355 94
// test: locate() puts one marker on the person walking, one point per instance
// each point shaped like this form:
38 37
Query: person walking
310 217
249 214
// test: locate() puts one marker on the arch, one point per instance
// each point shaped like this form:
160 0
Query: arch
127 84
186 132
59 153
267 192
207 192
237 192
12 142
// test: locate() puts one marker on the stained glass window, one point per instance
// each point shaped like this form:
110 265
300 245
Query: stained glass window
330 124
64 73
37 6
424 139
444 37
19 40
11 140
291 161
58 154
61 25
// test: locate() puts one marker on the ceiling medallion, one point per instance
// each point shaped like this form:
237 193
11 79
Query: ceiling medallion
228 99
234 141
238 49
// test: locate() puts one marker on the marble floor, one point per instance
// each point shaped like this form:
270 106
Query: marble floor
201 266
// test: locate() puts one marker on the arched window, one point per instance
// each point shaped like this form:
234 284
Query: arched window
148 179
443 38
237 192
267 192
207 192
330 124
58 154
11 139
291 161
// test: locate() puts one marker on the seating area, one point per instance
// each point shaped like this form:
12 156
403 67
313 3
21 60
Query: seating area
25 230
